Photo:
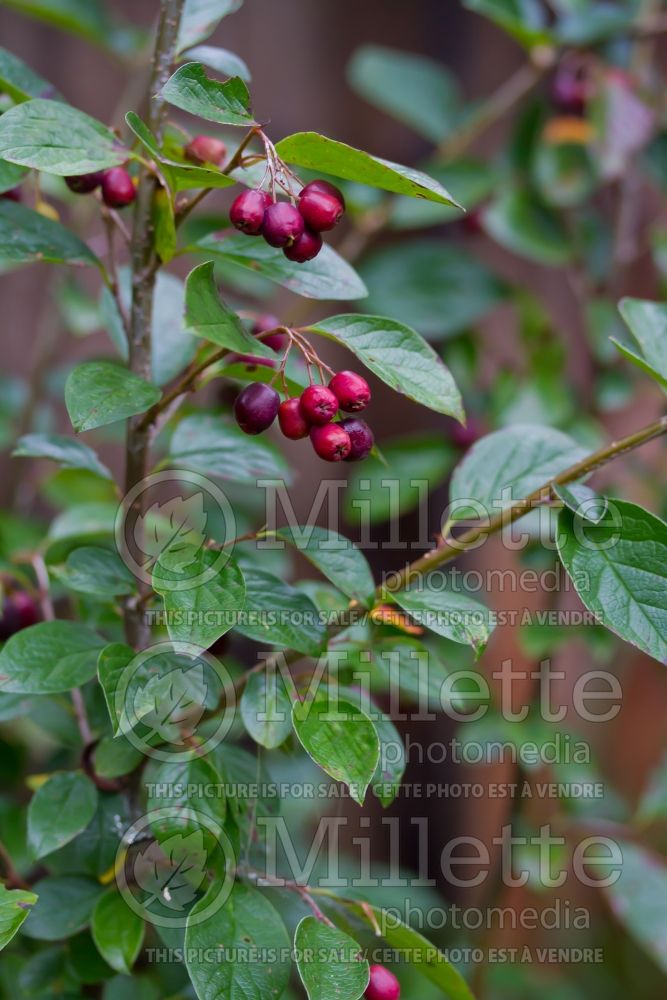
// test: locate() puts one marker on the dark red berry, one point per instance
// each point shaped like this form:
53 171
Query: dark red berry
305 248
247 211
18 611
361 438
14 194
318 404
256 407
569 91
331 442
118 189
383 985
283 224
322 205
84 183
293 424
351 390
206 149
465 437
267 321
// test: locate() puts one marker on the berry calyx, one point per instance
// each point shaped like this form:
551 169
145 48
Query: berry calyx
292 422
361 438
206 149
267 321
85 183
283 224
18 611
318 404
305 248
256 407
118 189
331 442
247 211
322 205
383 985
351 390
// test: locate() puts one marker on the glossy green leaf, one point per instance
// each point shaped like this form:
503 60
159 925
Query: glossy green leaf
277 614
28 237
200 19
48 658
191 90
416 90
209 317
330 962
248 929
328 276
170 797
647 322
59 810
96 571
266 708
520 223
221 60
523 19
215 447
11 175
509 465
102 392
58 139
15 907
336 557
619 569
398 356
68 452
115 757
449 613
172 347
341 739
391 765
118 932
64 907
638 899
18 80
317 152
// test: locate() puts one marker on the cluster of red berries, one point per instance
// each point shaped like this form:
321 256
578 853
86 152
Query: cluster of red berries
383 985
118 188
312 415
297 228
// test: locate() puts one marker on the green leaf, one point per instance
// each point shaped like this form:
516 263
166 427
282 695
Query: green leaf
27 237
207 316
266 708
58 139
509 465
173 348
19 80
523 19
48 658
179 174
398 356
169 786
412 467
15 906
86 18
520 223
59 810
330 962
638 899
64 907
11 175
455 615
101 392
116 757
412 88
164 225
118 932
619 570
201 613
221 60
317 152
200 19
391 765
96 571
336 557
328 276
584 501
437 289
647 322
241 935
209 445
191 90
278 614
68 452
341 739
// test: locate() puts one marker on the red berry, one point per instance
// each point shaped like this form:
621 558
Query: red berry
351 390
84 183
205 149
465 437
14 194
118 189
318 404
331 442
283 224
247 211
361 438
293 424
322 205
383 985
305 248
267 321
569 91
256 407
18 611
